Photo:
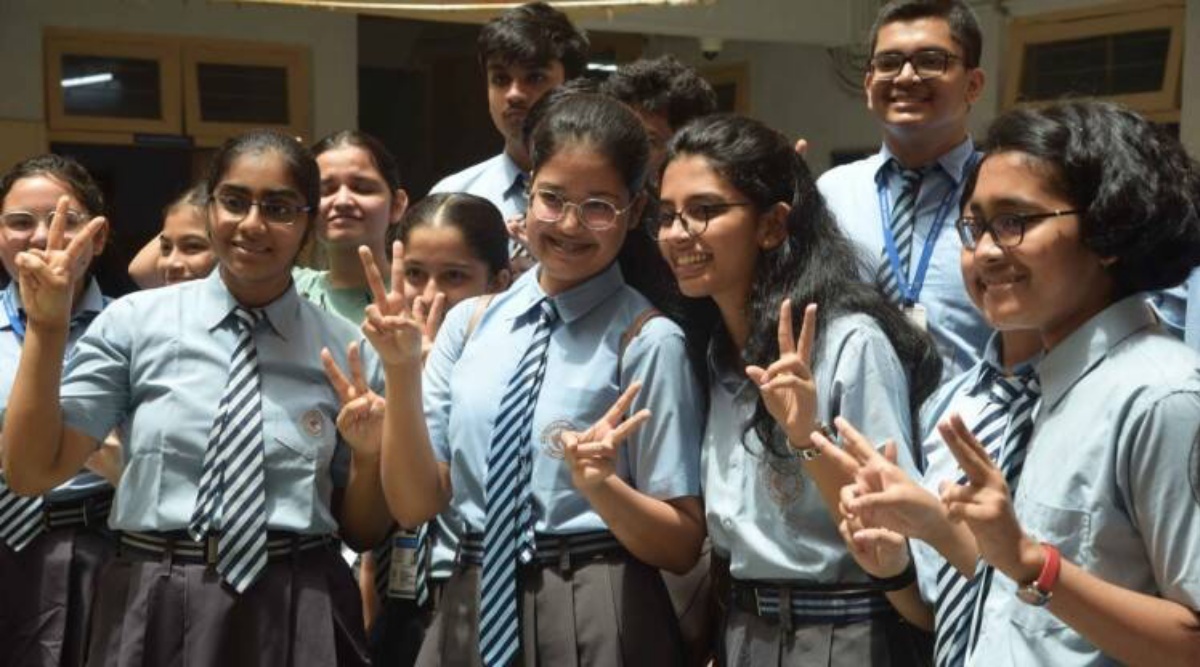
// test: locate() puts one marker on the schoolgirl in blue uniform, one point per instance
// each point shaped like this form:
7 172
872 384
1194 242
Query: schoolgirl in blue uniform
743 228
52 546
236 475
529 429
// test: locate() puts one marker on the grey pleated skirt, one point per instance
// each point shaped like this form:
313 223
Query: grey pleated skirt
47 593
304 611
611 612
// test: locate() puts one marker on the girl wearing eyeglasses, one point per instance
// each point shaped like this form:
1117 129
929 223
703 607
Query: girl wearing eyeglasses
1075 211
240 465
52 546
564 431
745 231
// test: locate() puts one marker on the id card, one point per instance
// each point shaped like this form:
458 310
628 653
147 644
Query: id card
916 314
402 577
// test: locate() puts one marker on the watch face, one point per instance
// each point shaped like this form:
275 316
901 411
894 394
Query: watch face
1031 595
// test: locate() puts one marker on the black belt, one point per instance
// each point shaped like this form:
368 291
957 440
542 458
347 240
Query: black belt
810 605
90 511
561 550
179 546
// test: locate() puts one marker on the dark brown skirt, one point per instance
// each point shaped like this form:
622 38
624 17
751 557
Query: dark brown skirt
304 611
47 592
612 612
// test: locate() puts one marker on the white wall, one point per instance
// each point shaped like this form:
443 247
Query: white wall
331 38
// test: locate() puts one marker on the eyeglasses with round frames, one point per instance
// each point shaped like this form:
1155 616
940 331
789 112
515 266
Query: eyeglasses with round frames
595 214
695 217
275 211
26 222
927 63
1007 229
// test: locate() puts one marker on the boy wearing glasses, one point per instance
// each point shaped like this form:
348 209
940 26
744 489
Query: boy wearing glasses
900 204
525 52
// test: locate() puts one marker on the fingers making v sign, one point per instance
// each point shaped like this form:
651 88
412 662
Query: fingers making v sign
46 277
360 420
592 454
395 333
787 386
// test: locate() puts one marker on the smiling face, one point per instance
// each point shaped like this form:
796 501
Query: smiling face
512 89
185 252
931 108
1050 281
438 259
357 204
570 253
38 194
720 263
256 256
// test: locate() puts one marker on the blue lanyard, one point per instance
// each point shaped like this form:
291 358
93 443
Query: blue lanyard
910 293
14 317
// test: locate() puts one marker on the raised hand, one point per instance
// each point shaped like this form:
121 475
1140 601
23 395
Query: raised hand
592 454
47 277
880 552
360 420
985 506
787 386
882 495
389 325
429 313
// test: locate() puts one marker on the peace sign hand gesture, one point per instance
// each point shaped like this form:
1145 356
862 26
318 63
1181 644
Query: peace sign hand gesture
360 420
787 386
984 504
429 313
592 454
46 277
390 326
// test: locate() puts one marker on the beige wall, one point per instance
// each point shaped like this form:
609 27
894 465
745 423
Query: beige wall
331 38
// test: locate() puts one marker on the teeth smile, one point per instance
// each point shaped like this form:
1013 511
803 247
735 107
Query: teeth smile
692 259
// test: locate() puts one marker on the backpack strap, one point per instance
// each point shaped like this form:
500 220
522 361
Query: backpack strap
634 329
476 315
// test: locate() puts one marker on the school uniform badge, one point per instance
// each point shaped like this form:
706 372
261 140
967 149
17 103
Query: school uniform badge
551 437
313 423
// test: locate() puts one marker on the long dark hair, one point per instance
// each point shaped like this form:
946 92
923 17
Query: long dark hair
815 263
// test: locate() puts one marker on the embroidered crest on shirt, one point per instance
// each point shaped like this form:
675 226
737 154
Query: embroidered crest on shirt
783 479
551 437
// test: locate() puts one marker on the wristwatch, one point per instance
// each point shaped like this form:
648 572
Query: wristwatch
1038 592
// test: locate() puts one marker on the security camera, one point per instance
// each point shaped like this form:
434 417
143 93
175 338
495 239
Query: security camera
710 47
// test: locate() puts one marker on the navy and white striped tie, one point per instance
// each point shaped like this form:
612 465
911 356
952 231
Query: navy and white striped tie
508 532
904 216
1003 429
20 518
232 497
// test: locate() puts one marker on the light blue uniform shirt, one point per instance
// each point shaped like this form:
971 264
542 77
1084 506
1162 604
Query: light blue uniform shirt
464 384
497 179
86 482
764 514
1110 478
160 360
1192 325
968 395
851 192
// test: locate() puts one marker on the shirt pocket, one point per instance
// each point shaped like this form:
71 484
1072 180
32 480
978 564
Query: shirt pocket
1068 530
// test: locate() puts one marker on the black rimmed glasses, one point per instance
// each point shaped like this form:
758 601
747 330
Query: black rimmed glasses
1007 229
927 63
596 214
273 209
695 217
24 223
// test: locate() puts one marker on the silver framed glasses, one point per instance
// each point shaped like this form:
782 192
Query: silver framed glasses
24 223
595 214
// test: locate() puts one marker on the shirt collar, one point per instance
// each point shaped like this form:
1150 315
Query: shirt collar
1088 345
992 365
513 176
87 308
217 304
574 303
953 162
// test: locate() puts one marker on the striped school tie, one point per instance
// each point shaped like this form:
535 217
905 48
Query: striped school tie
508 531
1003 429
904 217
20 518
232 491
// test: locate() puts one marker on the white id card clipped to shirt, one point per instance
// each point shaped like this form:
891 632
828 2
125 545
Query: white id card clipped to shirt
402 577
917 315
